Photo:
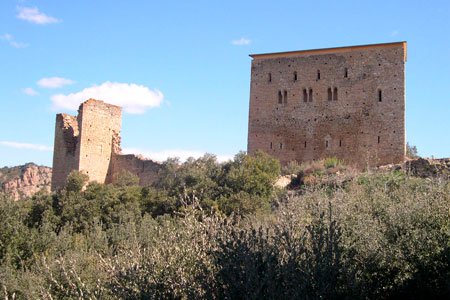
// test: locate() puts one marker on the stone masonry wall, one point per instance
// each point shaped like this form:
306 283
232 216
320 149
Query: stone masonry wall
100 122
145 169
90 143
295 113
65 158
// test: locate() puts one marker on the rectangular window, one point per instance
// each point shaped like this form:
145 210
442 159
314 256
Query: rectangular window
380 96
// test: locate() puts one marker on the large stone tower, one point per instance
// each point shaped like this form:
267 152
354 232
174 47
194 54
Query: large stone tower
87 142
347 102
90 143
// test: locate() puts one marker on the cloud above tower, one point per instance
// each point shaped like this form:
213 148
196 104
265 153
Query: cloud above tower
33 15
135 99
54 82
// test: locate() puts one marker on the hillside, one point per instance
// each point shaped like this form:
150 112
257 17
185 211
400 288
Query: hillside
25 180
209 230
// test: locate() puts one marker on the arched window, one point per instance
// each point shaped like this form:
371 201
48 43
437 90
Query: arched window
310 95
330 96
285 97
295 76
270 77
318 74
280 98
335 94
305 95
380 96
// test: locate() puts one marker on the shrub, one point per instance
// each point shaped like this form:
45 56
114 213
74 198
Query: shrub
332 162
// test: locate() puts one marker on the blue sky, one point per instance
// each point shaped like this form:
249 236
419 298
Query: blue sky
182 71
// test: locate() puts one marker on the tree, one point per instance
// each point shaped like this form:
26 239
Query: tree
411 151
76 181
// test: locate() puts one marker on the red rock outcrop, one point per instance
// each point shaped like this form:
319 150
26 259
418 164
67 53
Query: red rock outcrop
24 181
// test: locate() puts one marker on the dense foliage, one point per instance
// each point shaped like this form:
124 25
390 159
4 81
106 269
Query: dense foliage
206 230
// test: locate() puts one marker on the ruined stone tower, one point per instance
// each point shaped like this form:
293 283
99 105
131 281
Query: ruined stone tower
85 143
347 102
90 143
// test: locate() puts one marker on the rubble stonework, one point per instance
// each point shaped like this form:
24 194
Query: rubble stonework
346 102
90 143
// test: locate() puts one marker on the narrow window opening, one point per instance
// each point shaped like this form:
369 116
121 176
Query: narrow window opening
281 145
340 143
295 76
326 144
310 95
280 97
330 96
270 77
380 96
318 74
346 73
378 139
305 144
305 95
270 145
285 97
335 94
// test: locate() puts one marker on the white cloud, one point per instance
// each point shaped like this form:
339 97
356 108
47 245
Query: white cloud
135 99
26 146
34 16
54 82
240 42
7 37
395 33
165 154
29 91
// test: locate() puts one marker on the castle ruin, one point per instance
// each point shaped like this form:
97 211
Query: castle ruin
346 102
90 143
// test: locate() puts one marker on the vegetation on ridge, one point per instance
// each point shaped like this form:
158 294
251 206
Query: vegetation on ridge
207 230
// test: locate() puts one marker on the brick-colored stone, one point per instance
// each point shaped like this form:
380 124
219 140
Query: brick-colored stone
90 143
356 127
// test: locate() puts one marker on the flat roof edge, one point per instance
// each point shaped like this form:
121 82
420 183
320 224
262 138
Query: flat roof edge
329 50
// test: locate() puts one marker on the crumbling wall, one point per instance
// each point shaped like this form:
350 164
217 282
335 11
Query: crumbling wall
90 143
344 102
100 125
145 169
65 153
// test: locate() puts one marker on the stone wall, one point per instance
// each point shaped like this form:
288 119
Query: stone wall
90 143
100 123
65 154
345 102
145 169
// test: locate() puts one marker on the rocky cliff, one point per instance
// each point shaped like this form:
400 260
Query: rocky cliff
24 181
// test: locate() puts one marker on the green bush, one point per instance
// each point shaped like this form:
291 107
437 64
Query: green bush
332 162
379 236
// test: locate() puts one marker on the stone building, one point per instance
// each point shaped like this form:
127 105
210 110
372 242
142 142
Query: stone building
346 102
90 143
